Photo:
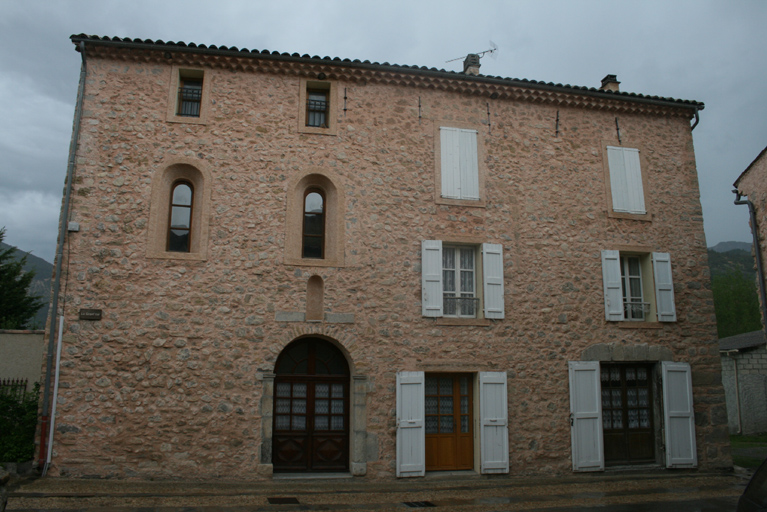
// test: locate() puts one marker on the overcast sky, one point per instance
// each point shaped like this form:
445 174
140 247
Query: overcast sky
714 52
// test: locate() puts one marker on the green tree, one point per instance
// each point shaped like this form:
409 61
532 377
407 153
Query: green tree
736 304
17 307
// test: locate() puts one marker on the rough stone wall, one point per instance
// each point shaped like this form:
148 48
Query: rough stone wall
169 382
754 185
751 400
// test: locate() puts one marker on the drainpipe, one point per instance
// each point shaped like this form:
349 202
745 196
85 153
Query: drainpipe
45 437
697 119
737 386
757 251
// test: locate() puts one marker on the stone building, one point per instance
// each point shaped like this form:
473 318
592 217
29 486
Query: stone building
284 263
752 184
744 377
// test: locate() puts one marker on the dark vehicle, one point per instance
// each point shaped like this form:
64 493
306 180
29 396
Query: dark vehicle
754 498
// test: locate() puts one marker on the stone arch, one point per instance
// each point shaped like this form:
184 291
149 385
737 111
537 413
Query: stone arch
198 176
362 445
335 237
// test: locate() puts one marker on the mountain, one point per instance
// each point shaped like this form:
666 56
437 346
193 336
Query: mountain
41 284
722 263
731 246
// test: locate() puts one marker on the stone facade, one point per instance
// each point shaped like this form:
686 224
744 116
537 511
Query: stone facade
753 184
177 378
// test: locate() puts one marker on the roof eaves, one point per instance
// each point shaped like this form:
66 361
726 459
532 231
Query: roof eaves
749 167
385 66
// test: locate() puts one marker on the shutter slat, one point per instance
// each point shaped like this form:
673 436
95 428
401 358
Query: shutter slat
494 423
492 270
411 433
431 278
586 416
613 292
664 287
450 162
679 416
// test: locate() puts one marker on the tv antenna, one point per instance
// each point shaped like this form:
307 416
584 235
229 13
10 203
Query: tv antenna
491 51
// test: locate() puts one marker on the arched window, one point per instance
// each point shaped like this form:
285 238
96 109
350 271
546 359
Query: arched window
180 223
314 224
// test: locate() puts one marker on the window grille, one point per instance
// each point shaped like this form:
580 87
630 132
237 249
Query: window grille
316 109
190 98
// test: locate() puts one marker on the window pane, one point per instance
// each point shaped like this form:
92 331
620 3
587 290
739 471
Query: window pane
467 259
314 224
180 217
431 385
312 247
182 195
337 406
299 390
448 280
338 390
336 423
178 241
446 405
448 257
464 424
445 386
446 424
431 405
283 406
431 425
283 423
321 407
283 389
299 422
299 406
321 390
313 203
321 422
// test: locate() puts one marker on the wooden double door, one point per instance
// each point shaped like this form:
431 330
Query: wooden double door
449 422
627 414
311 408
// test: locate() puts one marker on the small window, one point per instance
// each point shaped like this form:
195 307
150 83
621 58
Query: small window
638 287
462 281
180 226
317 108
189 97
314 224
625 185
460 168
458 282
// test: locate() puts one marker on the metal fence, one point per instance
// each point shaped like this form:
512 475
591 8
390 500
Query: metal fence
13 387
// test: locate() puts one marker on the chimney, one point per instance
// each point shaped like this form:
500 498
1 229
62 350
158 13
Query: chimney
610 83
471 64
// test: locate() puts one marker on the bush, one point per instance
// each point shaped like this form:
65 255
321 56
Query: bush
18 422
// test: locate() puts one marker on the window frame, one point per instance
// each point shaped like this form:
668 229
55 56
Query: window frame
307 86
178 75
457 271
488 270
652 287
438 168
170 228
647 216
335 227
163 183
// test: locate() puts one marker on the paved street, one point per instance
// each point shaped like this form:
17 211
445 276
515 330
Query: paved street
657 491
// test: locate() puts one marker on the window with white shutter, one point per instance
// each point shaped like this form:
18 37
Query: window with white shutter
459 164
638 287
626 180
462 281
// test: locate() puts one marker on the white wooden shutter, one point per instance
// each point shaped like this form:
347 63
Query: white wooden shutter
469 167
586 416
492 274
411 440
626 180
431 278
449 144
679 416
611 277
494 423
664 287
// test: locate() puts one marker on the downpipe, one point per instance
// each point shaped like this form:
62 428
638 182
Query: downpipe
757 251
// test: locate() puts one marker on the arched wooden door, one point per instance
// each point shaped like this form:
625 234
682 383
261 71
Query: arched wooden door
311 408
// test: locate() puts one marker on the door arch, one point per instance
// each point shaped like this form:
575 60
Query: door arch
311 408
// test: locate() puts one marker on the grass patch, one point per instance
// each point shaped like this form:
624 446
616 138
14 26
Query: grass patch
741 454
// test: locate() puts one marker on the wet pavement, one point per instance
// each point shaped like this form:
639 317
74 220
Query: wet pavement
660 491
